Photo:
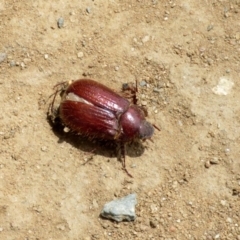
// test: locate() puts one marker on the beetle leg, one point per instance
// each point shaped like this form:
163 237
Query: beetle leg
123 151
50 108
133 90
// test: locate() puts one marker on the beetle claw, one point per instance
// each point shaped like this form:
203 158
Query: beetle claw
127 172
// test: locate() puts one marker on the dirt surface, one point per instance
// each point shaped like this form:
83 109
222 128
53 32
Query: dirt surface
186 58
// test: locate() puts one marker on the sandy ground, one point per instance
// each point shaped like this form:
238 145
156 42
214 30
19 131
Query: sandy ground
187 180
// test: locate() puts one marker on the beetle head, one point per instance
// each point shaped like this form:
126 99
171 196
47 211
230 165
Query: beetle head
145 130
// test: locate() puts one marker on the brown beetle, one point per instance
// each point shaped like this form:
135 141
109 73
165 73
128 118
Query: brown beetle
94 110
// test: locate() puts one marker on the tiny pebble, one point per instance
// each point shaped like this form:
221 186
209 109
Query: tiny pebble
60 22
145 39
217 236
88 10
46 56
214 160
12 63
210 27
175 184
142 83
144 103
223 202
153 224
116 68
80 54
66 129
2 57
44 148
156 90
207 164
22 65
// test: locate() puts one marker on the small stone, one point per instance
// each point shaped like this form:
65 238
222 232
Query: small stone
156 90
229 220
153 224
66 129
12 63
80 54
121 209
217 236
214 160
175 184
60 22
207 164
116 68
145 39
223 202
22 65
210 27
2 57
46 56
142 83
44 148
144 103
88 10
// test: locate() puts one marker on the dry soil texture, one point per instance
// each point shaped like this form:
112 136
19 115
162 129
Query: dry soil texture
186 57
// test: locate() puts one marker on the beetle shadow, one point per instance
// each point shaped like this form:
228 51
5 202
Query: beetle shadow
106 148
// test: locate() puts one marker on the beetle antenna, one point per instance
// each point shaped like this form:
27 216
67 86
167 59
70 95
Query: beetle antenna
156 127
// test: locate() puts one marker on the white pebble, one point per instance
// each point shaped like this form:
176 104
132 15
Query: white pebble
145 39
80 54
224 86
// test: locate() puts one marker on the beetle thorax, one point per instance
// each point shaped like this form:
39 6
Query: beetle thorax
134 125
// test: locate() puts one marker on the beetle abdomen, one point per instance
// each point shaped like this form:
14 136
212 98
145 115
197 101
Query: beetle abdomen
88 119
